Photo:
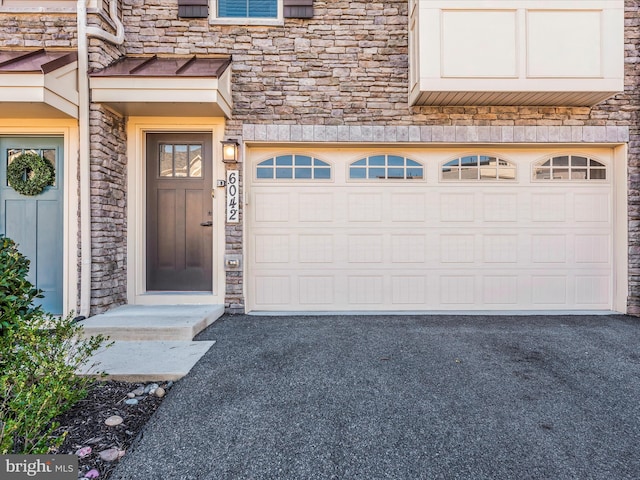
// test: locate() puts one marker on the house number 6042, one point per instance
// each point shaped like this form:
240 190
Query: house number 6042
233 212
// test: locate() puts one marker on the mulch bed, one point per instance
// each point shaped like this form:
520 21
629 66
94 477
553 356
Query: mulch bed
84 424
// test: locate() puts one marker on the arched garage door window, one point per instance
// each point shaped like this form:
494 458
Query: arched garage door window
570 167
478 167
386 167
293 167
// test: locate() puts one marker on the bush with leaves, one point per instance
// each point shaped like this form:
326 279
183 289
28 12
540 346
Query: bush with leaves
39 356
16 292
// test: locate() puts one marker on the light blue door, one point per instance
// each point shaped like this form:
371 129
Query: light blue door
35 222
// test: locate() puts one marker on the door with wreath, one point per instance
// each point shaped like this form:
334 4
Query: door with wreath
31 209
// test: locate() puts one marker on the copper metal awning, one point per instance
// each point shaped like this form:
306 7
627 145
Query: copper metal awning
39 83
165 86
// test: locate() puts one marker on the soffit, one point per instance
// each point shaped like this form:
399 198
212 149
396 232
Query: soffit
39 83
165 86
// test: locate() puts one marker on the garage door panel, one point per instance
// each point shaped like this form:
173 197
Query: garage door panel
272 248
408 207
408 248
549 207
271 207
500 290
316 248
457 248
366 290
500 207
500 248
592 207
316 207
592 290
408 290
457 207
316 290
364 207
457 290
592 248
430 245
365 249
549 248
549 291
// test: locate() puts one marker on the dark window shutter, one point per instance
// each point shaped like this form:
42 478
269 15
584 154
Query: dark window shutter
193 8
298 8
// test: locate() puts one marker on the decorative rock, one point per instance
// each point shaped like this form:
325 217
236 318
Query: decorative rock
131 395
151 388
159 392
138 391
93 473
111 454
131 401
113 421
169 384
83 452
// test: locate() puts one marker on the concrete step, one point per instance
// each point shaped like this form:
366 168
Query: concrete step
146 361
153 323
150 343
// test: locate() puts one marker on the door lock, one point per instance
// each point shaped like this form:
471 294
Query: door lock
207 224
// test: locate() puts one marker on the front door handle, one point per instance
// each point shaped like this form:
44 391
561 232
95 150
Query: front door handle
207 224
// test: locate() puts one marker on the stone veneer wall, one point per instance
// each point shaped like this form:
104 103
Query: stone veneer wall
108 150
108 140
348 65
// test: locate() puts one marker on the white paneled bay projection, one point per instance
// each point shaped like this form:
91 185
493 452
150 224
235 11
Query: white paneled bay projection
418 229
515 52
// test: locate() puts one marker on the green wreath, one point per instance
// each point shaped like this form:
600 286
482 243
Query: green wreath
29 174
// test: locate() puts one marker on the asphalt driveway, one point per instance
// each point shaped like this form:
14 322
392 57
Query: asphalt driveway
411 397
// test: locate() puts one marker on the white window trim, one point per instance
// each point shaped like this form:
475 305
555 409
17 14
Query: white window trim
215 20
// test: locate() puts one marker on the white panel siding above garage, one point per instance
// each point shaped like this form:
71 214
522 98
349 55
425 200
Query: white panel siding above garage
430 244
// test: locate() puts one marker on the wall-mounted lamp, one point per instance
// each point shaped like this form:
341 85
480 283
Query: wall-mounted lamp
229 151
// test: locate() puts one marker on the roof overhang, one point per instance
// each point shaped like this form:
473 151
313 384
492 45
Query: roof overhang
165 86
39 84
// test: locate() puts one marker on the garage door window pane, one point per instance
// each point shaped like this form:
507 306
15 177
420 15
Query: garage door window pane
293 167
386 167
303 173
479 168
265 172
570 168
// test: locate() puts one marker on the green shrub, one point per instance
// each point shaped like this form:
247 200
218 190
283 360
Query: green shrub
16 292
39 356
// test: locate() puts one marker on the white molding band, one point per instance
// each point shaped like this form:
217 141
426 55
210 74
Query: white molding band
435 134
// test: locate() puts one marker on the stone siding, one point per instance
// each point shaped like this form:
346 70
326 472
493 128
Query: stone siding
108 140
348 66
108 210
108 151
344 70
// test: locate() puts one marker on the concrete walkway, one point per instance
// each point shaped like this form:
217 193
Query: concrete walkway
150 343
443 397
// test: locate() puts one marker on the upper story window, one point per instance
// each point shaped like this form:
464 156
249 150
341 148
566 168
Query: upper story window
247 12
388 167
570 167
478 167
293 167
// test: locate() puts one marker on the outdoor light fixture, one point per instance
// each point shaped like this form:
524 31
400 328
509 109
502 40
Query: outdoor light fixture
229 151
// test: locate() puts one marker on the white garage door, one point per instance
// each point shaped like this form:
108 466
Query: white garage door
424 230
